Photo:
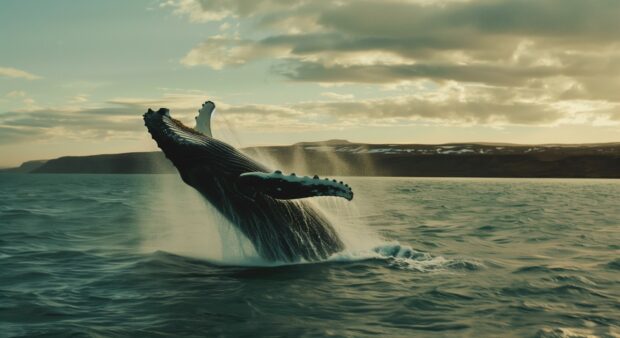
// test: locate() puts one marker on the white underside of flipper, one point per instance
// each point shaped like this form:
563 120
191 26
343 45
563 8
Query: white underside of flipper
203 120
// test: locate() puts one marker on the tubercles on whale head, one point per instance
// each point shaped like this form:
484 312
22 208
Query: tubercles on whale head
152 115
160 111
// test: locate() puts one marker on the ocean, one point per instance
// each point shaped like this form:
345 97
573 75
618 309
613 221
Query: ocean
145 256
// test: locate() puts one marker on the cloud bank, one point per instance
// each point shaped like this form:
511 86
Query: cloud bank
447 63
542 62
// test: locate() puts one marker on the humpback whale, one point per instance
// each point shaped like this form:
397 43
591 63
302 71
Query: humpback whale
268 207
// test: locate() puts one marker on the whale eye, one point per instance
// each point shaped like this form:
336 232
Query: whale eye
292 174
316 177
277 172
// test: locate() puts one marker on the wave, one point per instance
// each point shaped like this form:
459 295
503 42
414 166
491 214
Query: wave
614 265
565 332
189 226
393 254
405 257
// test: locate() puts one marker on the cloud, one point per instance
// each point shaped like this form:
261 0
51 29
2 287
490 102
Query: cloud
240 117
337 96
16 94
450 104
220 51
17 73
454 104
484 73
215 10
11 135
48 124
512 43
471 62
79 99
183 102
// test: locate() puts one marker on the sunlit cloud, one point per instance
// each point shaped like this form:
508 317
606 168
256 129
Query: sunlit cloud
332 65
337 96
16 94
17 73
447 105
479 62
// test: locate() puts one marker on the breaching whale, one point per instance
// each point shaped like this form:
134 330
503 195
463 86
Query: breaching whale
266 206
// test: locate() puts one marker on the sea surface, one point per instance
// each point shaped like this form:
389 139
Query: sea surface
144 256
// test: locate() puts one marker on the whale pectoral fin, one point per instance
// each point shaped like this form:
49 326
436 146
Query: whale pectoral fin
288 187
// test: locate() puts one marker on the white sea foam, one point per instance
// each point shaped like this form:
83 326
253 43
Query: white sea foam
182 222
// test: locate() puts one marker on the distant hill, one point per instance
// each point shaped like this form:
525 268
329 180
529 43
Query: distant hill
340 157
127 163
26 167
448 160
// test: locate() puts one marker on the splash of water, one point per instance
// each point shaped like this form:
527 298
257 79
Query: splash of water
180 221
183 223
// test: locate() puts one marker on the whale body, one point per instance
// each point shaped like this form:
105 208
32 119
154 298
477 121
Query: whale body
267 206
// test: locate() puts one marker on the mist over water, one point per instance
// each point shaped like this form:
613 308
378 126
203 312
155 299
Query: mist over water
188 219
180 221
142 255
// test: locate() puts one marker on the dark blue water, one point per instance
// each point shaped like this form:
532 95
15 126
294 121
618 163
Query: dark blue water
139 256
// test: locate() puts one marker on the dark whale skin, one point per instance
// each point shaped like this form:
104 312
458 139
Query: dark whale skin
280 230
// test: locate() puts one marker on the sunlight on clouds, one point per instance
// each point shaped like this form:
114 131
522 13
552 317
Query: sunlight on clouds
348 65
337 96
194 11
16 93
221 51
540 52
17 73
452 104
356 58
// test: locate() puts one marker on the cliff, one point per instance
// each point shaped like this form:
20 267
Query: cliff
339 157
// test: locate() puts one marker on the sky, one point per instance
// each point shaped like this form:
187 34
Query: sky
76 76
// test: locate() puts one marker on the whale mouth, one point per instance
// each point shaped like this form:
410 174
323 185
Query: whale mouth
165 128
180 144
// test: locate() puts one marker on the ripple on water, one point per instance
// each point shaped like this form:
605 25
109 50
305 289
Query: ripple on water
614 264
462 258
